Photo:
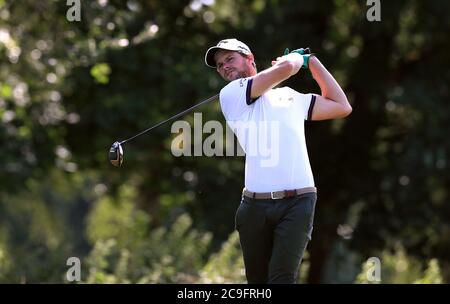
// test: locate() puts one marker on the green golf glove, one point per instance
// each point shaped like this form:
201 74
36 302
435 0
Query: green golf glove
306 53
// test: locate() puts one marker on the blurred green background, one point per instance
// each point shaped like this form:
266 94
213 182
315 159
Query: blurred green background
70 89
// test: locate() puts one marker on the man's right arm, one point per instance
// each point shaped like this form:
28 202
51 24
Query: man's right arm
283 68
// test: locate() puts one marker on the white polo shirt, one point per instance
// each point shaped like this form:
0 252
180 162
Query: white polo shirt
271 132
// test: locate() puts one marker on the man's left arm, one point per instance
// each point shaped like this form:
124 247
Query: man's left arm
332 103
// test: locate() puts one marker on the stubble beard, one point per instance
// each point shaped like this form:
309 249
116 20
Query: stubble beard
238 75
242 73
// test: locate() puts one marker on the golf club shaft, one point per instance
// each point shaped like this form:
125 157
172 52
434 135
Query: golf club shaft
172 118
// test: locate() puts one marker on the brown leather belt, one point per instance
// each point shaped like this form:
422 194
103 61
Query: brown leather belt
278 194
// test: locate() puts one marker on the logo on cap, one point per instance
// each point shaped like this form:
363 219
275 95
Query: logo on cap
231 44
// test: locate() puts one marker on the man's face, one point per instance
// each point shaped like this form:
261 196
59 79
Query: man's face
232 65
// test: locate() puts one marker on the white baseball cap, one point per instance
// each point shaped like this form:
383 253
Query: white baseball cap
226 44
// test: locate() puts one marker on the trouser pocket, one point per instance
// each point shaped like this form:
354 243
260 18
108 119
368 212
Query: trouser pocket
249 215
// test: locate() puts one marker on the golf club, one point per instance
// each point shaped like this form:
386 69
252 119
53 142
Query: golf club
116 150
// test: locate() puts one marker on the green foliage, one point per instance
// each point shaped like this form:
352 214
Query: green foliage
5 259
117 219
40 228
343 265
70 89
432 274
225 266
126 250
100 72
399 268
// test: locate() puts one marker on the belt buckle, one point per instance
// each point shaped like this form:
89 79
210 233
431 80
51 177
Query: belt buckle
274 197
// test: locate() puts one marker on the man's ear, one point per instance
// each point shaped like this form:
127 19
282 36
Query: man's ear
251 58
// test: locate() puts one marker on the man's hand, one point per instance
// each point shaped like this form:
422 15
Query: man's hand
301 51
294 58
306 53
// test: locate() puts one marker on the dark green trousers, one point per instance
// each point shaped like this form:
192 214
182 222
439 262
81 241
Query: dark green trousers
274 235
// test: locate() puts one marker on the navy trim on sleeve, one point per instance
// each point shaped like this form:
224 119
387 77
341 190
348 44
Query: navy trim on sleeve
311 106
248 92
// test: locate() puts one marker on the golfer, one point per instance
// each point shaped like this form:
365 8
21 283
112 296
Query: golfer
275 216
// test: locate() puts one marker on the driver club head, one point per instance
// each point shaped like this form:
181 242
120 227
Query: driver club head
116 154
